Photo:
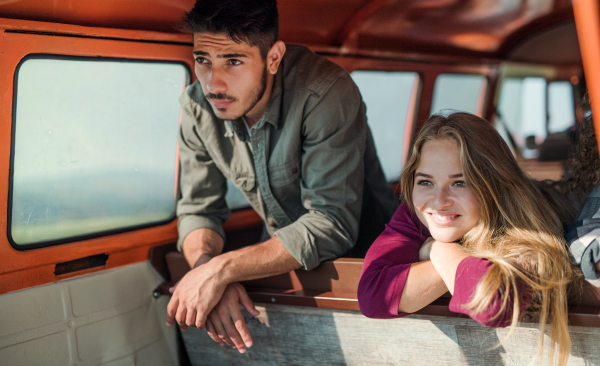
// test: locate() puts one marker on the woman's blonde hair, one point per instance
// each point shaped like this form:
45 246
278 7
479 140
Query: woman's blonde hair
520 230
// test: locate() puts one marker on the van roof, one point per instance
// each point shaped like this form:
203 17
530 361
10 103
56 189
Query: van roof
529 31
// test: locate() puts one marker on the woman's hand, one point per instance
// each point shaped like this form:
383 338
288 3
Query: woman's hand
425 249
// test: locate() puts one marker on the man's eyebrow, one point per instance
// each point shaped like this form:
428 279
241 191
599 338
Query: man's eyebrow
225 55
232 55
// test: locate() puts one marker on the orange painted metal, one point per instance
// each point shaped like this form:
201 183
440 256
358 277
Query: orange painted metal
588 31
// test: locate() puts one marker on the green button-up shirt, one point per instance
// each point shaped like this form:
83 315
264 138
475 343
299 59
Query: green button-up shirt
303 168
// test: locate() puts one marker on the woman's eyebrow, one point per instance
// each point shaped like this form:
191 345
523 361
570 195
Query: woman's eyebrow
423 175
459 175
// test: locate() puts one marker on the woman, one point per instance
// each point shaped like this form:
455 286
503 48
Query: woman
473 224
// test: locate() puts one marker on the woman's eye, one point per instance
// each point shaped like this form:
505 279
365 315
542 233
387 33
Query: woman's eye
459 183
235 62
424 183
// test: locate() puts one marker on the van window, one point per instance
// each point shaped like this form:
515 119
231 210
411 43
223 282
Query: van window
535 116
390 99
94 147
459 92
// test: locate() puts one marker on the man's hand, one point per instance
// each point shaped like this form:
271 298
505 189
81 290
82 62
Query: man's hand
195 296
225 323
425 249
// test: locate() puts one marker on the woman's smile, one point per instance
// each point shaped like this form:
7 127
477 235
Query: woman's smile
442 199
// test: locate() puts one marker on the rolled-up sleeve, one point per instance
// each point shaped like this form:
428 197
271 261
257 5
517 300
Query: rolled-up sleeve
203 186
334 130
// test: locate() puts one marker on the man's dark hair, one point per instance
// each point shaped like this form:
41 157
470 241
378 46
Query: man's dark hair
255 22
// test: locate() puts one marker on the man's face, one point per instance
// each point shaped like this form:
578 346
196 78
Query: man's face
233 75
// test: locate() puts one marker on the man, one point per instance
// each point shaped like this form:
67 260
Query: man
289 129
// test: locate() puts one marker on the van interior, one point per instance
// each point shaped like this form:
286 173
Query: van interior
89 117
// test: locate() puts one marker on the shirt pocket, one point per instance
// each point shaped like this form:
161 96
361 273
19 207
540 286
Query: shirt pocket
285 174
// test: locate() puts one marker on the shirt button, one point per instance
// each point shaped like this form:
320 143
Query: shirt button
295 170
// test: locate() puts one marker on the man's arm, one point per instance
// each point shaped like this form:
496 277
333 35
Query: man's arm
201 289
202 184
201 245
334 136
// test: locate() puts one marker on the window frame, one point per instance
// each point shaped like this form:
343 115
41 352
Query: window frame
75 238
21 269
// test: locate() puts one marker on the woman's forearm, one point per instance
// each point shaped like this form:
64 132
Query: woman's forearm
445 258
423 285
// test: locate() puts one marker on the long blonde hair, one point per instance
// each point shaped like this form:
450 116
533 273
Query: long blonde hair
520 230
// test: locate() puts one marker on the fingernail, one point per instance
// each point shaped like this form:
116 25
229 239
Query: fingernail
221 344
169 324
248 344
242 350
171 289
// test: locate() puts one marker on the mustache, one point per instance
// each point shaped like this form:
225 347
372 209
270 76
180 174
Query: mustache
220 96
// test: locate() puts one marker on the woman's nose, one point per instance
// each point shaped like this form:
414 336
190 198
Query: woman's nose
441 198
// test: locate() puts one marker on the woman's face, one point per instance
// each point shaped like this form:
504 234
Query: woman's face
442 200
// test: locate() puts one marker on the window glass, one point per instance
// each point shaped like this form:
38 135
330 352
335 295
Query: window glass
561 106
458 92
95 146
538 128
388 97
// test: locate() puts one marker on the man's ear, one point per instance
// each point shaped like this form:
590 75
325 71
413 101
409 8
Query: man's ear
275 56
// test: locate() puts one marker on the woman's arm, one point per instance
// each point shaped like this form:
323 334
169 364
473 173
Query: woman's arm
461 274
445 258
392 281
423 285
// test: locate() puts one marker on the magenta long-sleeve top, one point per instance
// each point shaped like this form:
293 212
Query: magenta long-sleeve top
388 261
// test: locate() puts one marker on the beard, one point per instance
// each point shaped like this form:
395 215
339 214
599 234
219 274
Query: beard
254 98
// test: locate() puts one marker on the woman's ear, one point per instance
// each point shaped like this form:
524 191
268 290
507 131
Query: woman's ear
275 56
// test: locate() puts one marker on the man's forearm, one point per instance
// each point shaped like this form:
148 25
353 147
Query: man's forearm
257 261
201 245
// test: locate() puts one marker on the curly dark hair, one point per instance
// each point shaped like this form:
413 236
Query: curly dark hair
582 169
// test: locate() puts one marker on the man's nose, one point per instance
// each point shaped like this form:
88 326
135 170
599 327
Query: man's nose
216 82
441 198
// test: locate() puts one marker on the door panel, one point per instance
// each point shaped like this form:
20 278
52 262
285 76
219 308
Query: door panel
108 318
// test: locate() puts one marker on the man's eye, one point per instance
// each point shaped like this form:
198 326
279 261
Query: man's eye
235 62
424 183
459 183
201 60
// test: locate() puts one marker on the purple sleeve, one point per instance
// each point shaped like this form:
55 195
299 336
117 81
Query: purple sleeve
469 272
387 264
